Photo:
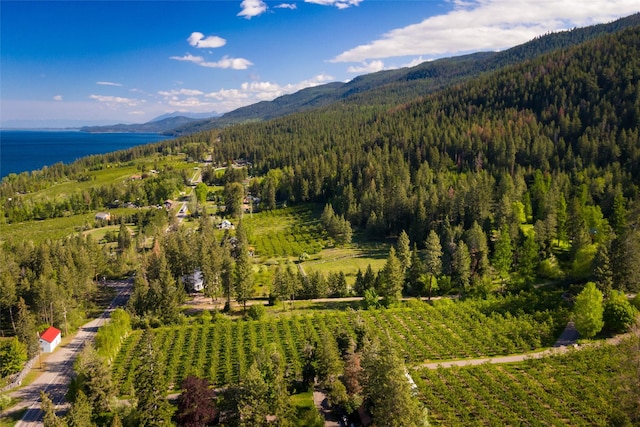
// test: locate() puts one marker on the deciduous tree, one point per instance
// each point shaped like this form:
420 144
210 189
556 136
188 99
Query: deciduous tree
588 311
196 403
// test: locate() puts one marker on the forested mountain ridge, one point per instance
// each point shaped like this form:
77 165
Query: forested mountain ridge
397 86
553 142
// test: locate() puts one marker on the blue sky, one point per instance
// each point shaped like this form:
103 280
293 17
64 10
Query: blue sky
121 61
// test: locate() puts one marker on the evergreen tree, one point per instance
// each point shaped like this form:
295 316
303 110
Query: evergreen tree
262 392
625 261
588 311
9 276
528 259
561 216
243 275
50 419
124 237
93 378
80 413
338 285
618 218
403 250
150 386
462 267
433 260
116 421
26 329
503 254
233 194
387 391
391 279
602 268
476 240
368 281
226 275
414 273
358 285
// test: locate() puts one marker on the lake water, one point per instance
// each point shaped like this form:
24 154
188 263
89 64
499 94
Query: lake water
28 150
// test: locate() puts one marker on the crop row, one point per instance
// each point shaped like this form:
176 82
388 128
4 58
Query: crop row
573 389
222 351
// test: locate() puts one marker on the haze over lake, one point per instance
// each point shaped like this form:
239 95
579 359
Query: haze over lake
28 150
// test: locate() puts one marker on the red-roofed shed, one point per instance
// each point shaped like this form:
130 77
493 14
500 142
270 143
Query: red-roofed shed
50 339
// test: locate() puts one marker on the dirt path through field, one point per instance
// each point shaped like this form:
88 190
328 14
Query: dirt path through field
566 341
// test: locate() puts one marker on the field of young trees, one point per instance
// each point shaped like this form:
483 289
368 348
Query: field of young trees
222 351
570 389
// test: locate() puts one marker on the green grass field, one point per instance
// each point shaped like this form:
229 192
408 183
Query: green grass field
348 260
57 228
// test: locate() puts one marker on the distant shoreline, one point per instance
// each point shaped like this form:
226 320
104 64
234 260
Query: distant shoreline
28 150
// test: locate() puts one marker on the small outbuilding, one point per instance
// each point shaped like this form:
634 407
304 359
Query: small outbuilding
103 216
50 339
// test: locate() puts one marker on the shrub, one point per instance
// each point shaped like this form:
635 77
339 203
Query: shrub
550 269
619 315
13 356
370 299
256 311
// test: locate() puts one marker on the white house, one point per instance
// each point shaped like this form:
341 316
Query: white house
226 225
50 339
194 281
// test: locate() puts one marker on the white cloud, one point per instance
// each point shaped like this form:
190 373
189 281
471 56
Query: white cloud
370 67
57 98
475 25
252 92
415 61
186 92
225 62
188 58
291 6
109 84
197 39
251 8
340 4
117 100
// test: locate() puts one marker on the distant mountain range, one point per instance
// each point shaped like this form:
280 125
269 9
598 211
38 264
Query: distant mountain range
390 87
200 116
160 124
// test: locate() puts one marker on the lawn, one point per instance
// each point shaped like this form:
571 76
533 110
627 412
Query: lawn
56 228
348 260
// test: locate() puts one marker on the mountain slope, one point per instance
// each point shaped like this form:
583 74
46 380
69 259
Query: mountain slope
399 86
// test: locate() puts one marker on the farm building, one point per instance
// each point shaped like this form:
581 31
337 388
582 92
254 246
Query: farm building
50 339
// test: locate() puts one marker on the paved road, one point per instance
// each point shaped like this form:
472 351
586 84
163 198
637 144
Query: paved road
59 365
